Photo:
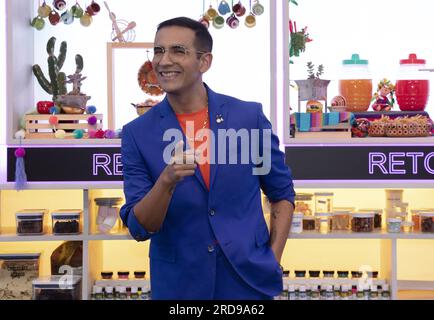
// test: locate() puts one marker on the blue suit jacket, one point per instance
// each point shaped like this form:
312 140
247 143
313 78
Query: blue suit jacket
182 266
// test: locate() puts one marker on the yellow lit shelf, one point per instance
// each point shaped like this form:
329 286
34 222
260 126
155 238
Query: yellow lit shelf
360 235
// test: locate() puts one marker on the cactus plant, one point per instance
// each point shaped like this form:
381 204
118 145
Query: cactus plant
57 84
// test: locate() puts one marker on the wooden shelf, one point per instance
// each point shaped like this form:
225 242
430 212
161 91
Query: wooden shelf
361 141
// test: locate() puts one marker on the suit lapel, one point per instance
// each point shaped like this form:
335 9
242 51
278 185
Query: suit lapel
169 121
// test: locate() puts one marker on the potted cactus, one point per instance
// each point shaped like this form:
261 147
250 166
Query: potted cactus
74 101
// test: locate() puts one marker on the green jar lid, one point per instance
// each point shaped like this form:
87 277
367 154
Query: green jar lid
355 59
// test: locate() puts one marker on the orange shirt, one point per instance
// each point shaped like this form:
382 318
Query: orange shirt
197 118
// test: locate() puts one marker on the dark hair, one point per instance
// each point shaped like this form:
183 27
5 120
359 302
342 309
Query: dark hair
203 40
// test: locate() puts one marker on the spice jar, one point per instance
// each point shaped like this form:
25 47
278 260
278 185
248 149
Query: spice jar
285 274
341 220
355 84
328 274
30 222
308 223
300 273
378 213
323 222
343 274
356 274
108 214
362 222
415 217
107 275
297 223
65 222
407 226
304 203
394 225
123 275
314 274
323 202
427 221
139 274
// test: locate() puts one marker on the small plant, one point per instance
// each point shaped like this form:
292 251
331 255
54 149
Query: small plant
311 70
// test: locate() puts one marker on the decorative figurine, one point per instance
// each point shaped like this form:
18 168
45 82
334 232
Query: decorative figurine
122 30
148 81
384 97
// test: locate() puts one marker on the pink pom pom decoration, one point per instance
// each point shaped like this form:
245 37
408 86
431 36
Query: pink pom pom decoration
92 134
20 153
92 120
53 120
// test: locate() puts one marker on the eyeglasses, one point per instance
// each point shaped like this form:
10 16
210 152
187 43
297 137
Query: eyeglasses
177 53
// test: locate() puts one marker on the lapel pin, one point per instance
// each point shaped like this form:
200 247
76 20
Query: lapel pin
219 118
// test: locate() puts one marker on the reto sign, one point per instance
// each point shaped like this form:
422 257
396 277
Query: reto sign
397 163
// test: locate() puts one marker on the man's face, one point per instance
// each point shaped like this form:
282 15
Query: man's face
177 72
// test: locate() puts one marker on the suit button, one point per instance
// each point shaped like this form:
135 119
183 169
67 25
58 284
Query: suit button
212 212
210 248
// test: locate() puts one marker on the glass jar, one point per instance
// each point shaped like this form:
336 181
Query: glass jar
314 274
30 222
285 274
54 288
134 293
308 223
343 274
139 274
407 226
65 222
415 217
300 273
394 225
362 222
427 222
328 274
323 222
355 84
297 223
124 275
108 214
341 220
107 275
412 85
109 293
304 203
356 274
323 202
378 216
97 293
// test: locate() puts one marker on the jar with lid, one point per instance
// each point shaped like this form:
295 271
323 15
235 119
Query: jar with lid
308 223
407 226
341 219
300 273
394 225
323 202
356 274
109 293
343 274
323 222
297 223
328 274
97 293
412 85
65 222
415 217
107 275
30 221
355 84
427 221
134 293
314 273
139 274
124 275
108 214
304 203
362 222
378 216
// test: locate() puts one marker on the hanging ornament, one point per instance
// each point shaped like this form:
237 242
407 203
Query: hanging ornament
77 11
59 4
60 134
20 172
148 81
211 13
67 17
218 22
86 20
54 17
250 21
233 21
204 20
44 10
224 8
257 9
38 23
93 8
239 9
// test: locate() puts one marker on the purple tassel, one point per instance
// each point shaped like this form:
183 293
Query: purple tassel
20 172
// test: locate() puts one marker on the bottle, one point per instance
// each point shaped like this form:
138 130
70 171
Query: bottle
315 294
123 293
117 293
353 293
97 293
302 293
308 292
374 293
297 292
134 293
385 293
366 291
108 293
360 294
337 292
344 292
322 290
329 292
291 292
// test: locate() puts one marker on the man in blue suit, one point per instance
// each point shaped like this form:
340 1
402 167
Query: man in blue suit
200 208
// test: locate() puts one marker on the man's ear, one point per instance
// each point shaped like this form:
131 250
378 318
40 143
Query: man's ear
205 62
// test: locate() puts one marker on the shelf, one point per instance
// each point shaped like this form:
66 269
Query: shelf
361 141
120 236
66 185
360 235
360 184
46 237
57 142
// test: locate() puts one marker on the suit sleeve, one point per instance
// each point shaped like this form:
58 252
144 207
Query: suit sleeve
277 184
137 183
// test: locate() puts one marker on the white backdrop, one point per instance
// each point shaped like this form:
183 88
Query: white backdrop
381 31
241 57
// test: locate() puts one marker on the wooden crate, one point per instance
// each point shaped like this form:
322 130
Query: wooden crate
38 127
341 130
